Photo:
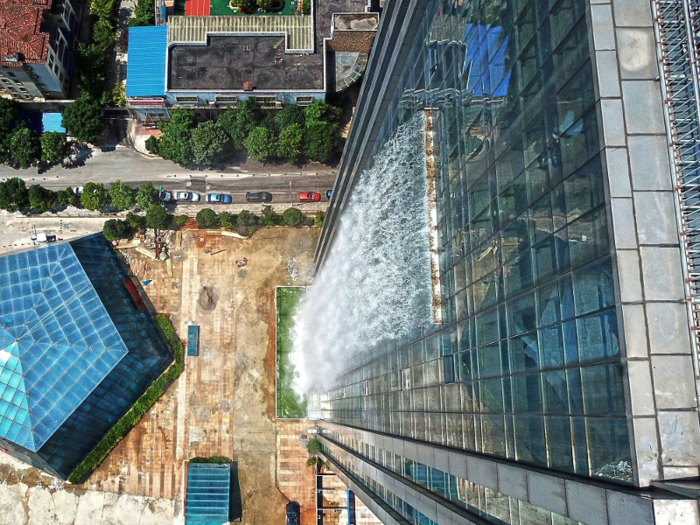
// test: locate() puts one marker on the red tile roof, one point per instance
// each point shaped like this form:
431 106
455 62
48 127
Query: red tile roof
20 31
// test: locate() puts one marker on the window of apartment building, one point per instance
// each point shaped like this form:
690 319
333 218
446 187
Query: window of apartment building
226 99
304 100
267 102
187 99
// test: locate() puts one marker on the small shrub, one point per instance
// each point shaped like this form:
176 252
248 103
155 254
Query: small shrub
226 220
114 229
152 145
306 7
293 217
318 219
181 220
246 219
313 446
207 218
269 217
134 221
211 459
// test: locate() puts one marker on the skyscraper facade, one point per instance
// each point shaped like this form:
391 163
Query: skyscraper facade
561 383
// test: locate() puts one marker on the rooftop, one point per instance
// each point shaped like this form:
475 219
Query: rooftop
228 61
20 32
57 342
145 69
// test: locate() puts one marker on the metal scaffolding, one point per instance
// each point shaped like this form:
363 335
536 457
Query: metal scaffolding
677 31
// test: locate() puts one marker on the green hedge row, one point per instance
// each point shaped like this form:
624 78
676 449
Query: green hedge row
142 405
211 459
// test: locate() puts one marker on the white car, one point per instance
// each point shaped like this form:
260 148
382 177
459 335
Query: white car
192 196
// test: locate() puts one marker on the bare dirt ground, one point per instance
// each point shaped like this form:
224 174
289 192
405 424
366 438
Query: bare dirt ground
223 404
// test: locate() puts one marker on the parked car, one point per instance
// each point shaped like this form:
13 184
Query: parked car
191 196
293 513
309 196
258 196
78 190
166 196
329 194
218 198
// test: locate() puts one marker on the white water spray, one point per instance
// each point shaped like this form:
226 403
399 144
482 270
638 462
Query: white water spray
375 282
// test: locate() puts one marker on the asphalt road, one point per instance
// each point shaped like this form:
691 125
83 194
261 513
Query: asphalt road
129 166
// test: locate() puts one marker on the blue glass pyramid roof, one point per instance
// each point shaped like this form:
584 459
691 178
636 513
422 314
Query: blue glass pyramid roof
57 342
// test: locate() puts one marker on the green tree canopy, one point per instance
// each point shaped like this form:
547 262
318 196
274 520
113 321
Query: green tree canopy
239 121
13 195
157 217
40 198
94 197
114 229
152 145
269 216
293 217
147 195
134 221
288 115
321 140
260 143
318 219
54 147
91 64
24 147
176 141
144 13
9 116
322 111
103 34
208 142
226 220
207 219
83 119
68 197
289 144
245 218
123 196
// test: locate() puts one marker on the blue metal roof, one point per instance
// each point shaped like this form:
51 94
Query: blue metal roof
52 122
145 67
208 493
57 342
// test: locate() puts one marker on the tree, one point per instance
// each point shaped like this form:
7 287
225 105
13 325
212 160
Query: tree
269 216
103 34
152 145
91 64
208 142
207 219
134 221
147 195
313 446
157 217
321 140
293 217
245 4
289 143
176 141
83 119
54 147
123 196
318 219
9 115
68 197
322 111
266 4
40 198
260 143
291 114
305 7
13 195
226 220
94 196
119 95
181 220
24 147
114 229
144 13
239 121
245 218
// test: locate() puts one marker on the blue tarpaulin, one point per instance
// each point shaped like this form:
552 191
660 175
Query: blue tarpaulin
145 69
52 122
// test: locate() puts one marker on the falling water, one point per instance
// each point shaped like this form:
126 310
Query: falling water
375 282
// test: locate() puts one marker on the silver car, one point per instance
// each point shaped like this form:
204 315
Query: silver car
191 196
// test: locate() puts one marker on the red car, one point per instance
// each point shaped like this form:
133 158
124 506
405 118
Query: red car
309 196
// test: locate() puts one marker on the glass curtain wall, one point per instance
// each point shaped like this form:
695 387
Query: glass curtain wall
526 364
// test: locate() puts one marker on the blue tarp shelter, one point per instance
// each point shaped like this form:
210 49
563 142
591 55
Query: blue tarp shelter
52 122
145 69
